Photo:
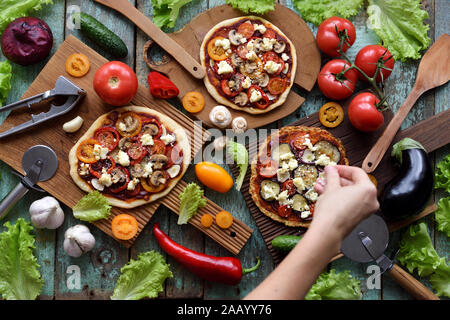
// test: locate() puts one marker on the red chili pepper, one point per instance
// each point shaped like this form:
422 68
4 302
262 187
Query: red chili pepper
161 87
226 270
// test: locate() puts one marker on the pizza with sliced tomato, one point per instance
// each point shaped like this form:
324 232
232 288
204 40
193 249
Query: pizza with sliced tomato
250 64
285 170
132 155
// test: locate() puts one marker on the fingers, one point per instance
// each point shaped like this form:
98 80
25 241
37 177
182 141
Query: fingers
354 174
332 178
320 184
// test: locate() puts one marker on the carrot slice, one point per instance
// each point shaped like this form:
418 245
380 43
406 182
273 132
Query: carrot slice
206 220
193 102
224 219
124 226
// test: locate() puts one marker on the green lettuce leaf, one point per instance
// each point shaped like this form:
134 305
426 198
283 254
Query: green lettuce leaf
13 9
254 6
442 174
165 12
316 11
5 80
142 278
442 216
240 157
400 24
417 253
335 286
191 199
92 207
20 278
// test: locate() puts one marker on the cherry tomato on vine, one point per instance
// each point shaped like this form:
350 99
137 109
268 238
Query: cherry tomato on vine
370 56
333 83
330 33
364 114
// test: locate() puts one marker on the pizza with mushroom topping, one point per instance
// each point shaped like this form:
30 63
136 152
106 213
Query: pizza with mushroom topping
132 155
285 170
250 64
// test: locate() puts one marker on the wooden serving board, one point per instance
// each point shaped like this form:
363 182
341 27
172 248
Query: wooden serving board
431 133
191 38
61 186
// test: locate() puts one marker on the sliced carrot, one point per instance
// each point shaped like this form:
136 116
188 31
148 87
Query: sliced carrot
206 220
77 65
224 219
124 226
193 102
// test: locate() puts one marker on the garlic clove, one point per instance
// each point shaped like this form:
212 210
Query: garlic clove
239 125
220 143
73 125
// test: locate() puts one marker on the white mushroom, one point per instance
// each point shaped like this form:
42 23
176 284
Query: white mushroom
78 240
241 99
235 38
73 125
220 116
239 125
279 46
46 213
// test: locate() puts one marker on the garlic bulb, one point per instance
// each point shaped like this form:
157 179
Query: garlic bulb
220 143
220 116
78 240
46 213
73 125
239 125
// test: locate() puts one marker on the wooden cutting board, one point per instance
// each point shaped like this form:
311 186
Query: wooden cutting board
91 107
191 38
431 133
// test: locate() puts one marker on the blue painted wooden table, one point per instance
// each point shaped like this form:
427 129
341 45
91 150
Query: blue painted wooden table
100 268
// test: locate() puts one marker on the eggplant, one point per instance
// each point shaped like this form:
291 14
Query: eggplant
408 193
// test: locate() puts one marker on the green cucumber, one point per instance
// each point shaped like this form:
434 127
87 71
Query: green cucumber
101 35
285 243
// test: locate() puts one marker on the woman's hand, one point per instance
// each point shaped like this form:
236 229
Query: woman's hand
347 196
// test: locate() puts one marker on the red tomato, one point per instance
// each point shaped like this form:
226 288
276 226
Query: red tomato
246 29
242 51
270 33
115 83
290 187
331 31
261 103
158 147
108 137
370 56
276 85
334 85
268 169
284 211
363 113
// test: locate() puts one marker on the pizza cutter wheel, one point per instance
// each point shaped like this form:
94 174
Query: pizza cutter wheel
39 164
368 242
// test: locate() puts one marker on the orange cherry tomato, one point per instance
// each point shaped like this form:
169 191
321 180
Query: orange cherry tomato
124 226
213 176
215 52
206 220
331 114
277 85
193 102
85 151
224 219
149 187
77 65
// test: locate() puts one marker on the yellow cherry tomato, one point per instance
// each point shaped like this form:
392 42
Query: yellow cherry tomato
215 52
193 102
213 176
331 114
77 65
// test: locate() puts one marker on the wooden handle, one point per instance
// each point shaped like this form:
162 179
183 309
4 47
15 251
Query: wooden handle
162 39
377 152
410 284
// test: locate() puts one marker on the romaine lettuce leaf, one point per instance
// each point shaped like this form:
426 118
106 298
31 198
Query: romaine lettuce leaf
400 24
316 11
417 253
240 157
13 9
335 286
92 207
142 278
442 174
191 199
20 278
442 216
165 12
254 6
5 80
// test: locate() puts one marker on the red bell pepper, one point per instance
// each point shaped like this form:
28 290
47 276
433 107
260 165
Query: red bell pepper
226 270
161 87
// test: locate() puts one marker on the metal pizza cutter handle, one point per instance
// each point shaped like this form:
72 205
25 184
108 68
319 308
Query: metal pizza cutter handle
368 242
39 164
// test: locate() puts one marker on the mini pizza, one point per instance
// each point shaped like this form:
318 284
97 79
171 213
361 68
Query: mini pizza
286 168
250 64
132 155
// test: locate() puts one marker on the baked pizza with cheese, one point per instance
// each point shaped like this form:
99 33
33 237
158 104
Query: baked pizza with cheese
250 64
285 170
132 155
